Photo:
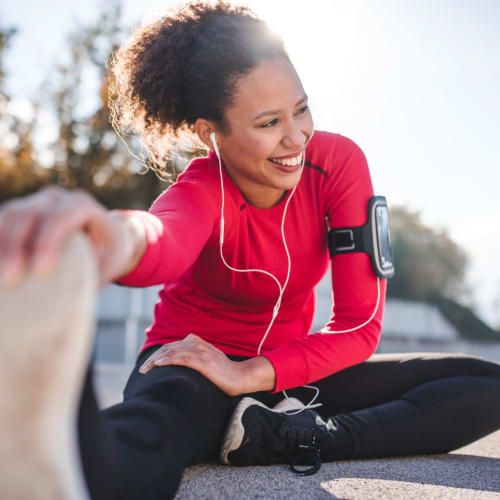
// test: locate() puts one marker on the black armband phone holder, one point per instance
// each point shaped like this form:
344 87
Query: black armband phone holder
374 238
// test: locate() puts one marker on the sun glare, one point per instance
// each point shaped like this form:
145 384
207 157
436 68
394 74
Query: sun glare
322 40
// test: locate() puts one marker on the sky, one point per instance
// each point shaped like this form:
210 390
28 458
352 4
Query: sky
415 83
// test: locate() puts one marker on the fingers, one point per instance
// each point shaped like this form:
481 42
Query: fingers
165 356
18 219
34 228
194 352
13 258
149 363
55 229
187 352
176 359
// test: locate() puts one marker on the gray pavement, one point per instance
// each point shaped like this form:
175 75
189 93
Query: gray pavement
471 472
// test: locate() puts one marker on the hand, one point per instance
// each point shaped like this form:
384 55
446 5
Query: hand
33 230
203 357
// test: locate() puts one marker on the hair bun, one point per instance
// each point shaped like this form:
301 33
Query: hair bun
184 66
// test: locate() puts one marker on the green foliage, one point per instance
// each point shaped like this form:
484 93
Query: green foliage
19 172
6 35
87 152
429 264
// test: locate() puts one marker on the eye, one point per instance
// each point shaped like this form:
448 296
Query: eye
269 123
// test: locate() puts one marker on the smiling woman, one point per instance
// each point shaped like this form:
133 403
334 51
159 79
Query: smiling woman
270 126
238 242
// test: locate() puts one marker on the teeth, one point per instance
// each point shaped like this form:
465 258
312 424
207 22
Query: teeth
288 162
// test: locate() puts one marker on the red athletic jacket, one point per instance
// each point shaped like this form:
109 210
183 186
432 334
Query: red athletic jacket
232 310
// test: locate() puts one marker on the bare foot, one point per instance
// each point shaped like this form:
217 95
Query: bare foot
46 332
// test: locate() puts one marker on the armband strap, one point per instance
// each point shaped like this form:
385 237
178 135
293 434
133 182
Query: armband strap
345 240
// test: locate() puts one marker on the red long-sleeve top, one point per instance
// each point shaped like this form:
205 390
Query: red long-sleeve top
232 310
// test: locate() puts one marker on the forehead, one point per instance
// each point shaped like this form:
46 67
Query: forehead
272 85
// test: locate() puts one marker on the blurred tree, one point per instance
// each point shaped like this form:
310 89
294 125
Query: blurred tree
6 35
19 172
87 152
429 264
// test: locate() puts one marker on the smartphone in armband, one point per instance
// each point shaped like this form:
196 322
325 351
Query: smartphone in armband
373 238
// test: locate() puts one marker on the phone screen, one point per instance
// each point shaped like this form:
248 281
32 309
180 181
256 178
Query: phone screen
384 237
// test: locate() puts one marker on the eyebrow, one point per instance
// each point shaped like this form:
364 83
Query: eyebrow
276 111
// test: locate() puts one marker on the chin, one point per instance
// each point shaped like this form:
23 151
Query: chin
290 180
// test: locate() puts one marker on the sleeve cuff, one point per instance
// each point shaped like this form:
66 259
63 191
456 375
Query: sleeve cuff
144 270
290 366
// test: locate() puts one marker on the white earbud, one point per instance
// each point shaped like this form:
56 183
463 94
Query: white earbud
214 142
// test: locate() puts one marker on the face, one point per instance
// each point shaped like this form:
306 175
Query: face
270 122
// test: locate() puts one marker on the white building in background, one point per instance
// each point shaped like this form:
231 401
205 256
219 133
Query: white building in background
124 313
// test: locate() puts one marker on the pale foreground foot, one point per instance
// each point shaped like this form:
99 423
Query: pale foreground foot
46 331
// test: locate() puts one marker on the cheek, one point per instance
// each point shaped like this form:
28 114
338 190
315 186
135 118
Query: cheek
257 148
309 124
262 153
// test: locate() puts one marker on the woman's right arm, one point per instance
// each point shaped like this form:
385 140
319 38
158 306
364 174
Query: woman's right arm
33 230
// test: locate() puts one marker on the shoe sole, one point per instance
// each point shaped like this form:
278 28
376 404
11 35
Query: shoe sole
235 431
45 341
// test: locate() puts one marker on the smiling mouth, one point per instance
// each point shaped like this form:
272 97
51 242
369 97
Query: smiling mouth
287 162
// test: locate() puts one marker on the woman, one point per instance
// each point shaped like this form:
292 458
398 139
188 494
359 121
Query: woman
239 243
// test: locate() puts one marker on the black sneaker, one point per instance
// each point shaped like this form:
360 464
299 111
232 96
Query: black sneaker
258 435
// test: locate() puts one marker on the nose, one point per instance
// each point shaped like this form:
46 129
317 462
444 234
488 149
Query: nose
295 136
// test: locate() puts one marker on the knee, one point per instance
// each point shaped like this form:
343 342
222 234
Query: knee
175 384
478 366
140 424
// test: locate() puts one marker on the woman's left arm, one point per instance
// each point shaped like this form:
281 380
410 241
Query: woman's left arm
232 377
353 331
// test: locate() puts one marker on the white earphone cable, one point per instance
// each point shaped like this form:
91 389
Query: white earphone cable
221 241
326 331
277 306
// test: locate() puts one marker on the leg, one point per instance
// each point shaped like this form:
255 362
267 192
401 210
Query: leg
45 342
391 405
412 403
171 417
436 417
55 443
386 377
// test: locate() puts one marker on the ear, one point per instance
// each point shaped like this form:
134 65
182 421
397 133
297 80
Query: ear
203 129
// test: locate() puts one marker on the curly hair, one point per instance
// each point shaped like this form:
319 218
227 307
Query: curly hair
184 66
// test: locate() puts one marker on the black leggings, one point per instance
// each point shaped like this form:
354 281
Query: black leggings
390 405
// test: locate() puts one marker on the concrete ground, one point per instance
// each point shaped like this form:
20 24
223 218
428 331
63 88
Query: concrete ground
471 472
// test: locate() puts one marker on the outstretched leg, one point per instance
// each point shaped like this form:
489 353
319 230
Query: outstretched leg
45 340
55 444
